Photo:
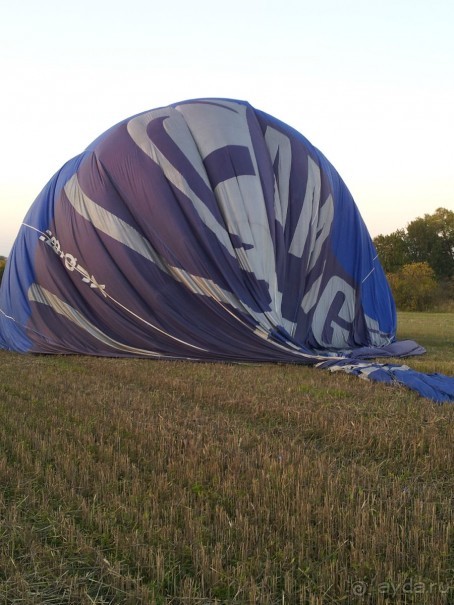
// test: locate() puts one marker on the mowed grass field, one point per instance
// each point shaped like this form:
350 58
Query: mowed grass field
143 482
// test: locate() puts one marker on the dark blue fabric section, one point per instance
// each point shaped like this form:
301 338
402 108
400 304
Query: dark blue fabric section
359 258
20 271
228 162
437 387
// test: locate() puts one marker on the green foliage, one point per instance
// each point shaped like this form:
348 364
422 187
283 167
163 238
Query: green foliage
2 267
413 287
392 250
428 239
431 239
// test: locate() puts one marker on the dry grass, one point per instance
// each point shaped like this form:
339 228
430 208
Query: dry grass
140 482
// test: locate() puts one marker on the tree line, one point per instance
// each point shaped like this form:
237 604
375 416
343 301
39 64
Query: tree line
419 262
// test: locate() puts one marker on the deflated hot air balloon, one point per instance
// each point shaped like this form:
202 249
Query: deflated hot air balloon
206 230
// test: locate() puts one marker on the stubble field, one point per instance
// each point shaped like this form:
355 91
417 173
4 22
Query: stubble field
141 482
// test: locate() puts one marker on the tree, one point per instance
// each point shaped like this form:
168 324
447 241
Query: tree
431 239
428 239
413 287
392 250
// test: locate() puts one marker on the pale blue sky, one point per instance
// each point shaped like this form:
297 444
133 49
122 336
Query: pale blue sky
369 83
